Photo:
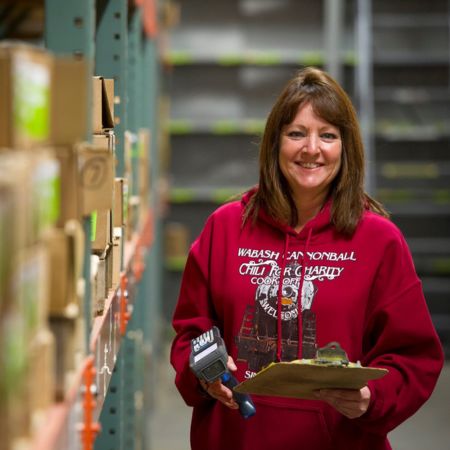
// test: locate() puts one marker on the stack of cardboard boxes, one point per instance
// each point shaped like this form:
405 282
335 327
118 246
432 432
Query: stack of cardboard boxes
51 181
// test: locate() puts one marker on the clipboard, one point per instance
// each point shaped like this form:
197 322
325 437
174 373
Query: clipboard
300 378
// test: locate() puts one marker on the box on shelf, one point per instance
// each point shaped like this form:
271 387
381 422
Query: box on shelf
103 104
120 201
116 257
176 243
101 279
64 248
45 191
71 207
33 178
25 96
30 287
101 228
69 112
106 139
96 172
133 216
69 351
8 243
40 383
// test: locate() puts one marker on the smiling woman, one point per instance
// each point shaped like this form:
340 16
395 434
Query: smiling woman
306 258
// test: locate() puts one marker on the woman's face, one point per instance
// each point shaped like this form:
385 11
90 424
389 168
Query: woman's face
310 153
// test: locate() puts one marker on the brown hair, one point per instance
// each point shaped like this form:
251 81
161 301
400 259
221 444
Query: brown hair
332 104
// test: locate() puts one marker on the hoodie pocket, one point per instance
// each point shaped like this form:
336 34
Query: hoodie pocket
287 425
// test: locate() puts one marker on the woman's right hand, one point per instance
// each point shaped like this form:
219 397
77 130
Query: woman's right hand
219 391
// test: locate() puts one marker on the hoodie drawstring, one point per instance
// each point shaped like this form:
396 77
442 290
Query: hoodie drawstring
300 297
280 294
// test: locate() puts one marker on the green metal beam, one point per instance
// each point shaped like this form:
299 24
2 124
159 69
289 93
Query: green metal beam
69 27
111 62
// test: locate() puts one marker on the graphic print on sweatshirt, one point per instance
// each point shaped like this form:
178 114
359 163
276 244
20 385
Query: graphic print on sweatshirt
257 339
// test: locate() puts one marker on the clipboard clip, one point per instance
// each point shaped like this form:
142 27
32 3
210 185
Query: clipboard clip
332 355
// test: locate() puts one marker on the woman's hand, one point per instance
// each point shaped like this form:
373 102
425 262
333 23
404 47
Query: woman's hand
220 392
349 402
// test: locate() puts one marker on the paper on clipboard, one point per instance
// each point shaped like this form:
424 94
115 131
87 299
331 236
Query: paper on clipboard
300 379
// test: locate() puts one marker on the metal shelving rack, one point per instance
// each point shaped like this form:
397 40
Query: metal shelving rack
119 39
404 94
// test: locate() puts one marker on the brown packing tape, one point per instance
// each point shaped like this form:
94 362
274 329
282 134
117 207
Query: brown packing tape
300 380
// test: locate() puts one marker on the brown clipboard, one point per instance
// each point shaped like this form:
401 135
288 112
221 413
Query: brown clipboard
299 379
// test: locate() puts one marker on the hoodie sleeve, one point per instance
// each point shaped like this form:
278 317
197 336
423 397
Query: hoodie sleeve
193 315
399 336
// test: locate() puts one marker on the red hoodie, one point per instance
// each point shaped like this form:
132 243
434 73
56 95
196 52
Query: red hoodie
362 292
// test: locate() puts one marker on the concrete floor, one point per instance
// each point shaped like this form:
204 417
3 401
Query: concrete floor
428 429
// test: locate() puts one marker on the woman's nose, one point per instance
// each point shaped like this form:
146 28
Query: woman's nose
311 144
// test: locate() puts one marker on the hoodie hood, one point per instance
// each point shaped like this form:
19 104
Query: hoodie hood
320 224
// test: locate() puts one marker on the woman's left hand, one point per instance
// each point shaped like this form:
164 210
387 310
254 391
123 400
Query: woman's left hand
349 402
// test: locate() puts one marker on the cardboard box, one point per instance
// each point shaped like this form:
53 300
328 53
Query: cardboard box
25 96
65 350
45 191
120 201
106 139
101 276
64 269
71 207
7 243
31 281
96 178
116 257
102 104
69 110
101 236
41 377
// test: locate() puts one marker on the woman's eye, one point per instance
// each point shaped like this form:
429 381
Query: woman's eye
295 134
329 136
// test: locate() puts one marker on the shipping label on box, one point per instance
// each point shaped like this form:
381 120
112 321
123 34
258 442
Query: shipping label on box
96 178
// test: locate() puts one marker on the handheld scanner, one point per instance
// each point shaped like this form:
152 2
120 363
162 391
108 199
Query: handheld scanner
208 361
209 356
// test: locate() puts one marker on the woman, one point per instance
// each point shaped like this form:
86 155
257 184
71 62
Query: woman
307 235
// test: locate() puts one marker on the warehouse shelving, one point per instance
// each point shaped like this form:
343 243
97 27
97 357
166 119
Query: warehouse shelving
408 102
108 401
